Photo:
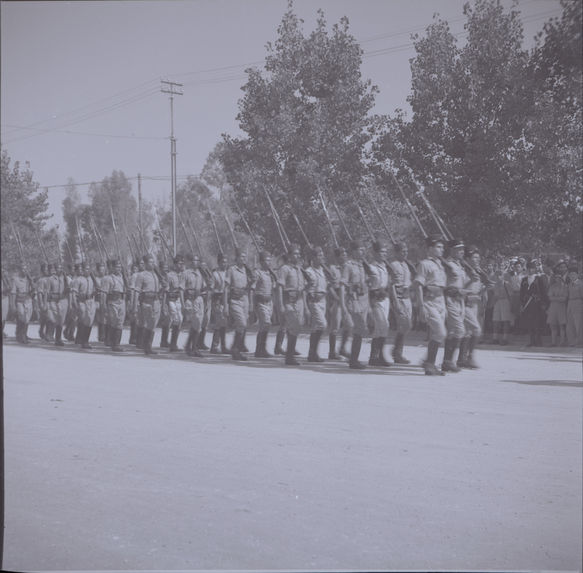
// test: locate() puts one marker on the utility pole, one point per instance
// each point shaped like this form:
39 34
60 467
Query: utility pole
140 200
173 89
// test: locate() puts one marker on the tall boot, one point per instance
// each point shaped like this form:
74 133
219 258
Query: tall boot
243 345
86 334
398 350
58 336
140 337
174 339
223 333
200 344
193 346
107 336
314 341
382 361
278 342
25 338
355 353
79 334
258 344
462 359
332 347
148 341
50 332
450 348
471 344
429 364
133 333
41 329
237 346
264 352
100 332
164 337
372 360
290 353
215 342
18 332
116 339
343 341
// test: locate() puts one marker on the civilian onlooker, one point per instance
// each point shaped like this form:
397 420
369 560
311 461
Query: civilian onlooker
514 281
502 316
558 292
575 307
534 301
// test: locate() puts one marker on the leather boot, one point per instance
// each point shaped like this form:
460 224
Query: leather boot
398 350
354 363
470 363
58 336
18 332
50 332
100 332
259 345
237 347
264 353
314 341
290 353
243 345
429 364
148 341
448 363
41 329
373 352
200 344
215 342
25 338
278 342
174 339
381 360
164 337
79 334
332 347
86 336
343 341
193 346
463 353
140 337
224 349
116 339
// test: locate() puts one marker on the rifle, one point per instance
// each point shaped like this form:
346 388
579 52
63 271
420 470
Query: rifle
231 231
142 241
215 230
381 218
137 247
369 230
194 234
132 255
69 250
247 226
278 224
100 240
95 236
185 233
348 235
40 244
410 206
334 239
115 233
60 255
163 238
81 246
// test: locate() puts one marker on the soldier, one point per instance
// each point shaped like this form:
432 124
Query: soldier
164 310
378 289
130 304
291 296
175 300
193 306
455 303
354 301
57 300
317 288
206 296
430 281
136 307
474 289
71 318
280 335
336 320
401 299
113 297
262 294
100 310
83 300
21 296
41 301
236 300
105 285
218 320
147 289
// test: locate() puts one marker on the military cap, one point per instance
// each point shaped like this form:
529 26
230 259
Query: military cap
178 259
456 243
432 240
401 246
356 244
378 246
263 255
472 250
293 247
338 251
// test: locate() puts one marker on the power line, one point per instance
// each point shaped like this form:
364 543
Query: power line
68 132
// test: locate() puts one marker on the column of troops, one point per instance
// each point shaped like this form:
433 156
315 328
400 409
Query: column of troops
351 297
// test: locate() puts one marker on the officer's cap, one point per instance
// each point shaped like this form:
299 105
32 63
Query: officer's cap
293 247
456 243
338 251
433 240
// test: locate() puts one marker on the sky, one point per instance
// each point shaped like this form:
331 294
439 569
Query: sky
81 81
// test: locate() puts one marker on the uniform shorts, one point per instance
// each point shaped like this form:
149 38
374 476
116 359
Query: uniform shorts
435 315
472 320
455 318
86 312
334 316
150 314
403 314
24 310
57 311
358 309
380 316
317 315
294 316
502 312
116 313
557 313
264 310
174 313
194 312
239 313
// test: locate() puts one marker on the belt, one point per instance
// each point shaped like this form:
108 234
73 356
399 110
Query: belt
22 297
237 293
378 294
452 292
52 297
290 296
173 296
148 297
263 298
114 296
84 297
237 296
432 292
316 296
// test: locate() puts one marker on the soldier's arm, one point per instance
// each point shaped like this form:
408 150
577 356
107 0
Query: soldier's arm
226 289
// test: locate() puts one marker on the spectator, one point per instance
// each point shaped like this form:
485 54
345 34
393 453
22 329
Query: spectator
574 307
558 292
534 301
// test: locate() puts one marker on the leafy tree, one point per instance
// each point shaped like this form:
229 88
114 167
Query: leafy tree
24 208
307 122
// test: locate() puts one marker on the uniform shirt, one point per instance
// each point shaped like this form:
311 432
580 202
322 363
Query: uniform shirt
291 278
21 286
219 281
379 276
112 284
401 274
193 281
576 290
175 282
430 273
147 282
262 282
354 277
236 277
56 284
83 286
41 285
317 282
336 276
456 275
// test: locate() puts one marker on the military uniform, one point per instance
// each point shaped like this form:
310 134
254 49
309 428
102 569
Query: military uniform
263 285
100 309
316 291
455 305
147 288
218 320
57 303
402 307
174 301
83 295
379 285
237 285
22 294
113 289
292 284
193 308
41 303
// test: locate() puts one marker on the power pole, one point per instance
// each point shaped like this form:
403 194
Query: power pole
173 89
140 201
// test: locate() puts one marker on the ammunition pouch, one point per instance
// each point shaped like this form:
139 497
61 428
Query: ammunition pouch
173 296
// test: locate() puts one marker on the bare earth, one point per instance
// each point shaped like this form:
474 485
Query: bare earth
127 462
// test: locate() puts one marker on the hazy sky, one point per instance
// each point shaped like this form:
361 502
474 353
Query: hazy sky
80 92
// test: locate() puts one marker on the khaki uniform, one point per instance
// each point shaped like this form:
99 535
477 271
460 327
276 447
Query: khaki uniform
263 285
431 276
378 284
293 283
403 310
237 281
57 299
22 291
334 307
100 309
474 293
114 290
175 287
147 289
218 319
454 299
193 301
83 290
354 279
317 287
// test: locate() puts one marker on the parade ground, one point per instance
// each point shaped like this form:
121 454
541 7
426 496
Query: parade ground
119 462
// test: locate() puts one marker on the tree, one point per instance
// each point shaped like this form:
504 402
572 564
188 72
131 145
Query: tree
307 123
24 208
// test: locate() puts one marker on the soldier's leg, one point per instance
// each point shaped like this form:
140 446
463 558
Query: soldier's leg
403 315
435 314
279 341
359 319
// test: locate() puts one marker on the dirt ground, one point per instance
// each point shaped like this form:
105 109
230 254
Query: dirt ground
127 462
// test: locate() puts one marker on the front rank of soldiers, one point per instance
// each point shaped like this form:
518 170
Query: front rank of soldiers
353 297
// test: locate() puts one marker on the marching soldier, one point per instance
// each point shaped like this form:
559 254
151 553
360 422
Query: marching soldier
57 301
262 294
317 288
378 289
218 320
130 303
41 301
455 304
291 294
100 310
474 290
401 299
193 306
83 300
354 301
133 303
175 300
280 335
334 307
113 298
164 310
236 300
430 282
71 318
147 289
206 296
21 297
